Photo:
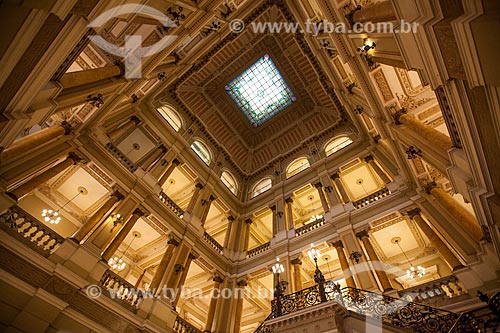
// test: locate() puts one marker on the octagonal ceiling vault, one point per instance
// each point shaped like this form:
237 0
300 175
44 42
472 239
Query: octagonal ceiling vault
201 97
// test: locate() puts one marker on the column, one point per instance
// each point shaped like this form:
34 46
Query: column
239 306
375 261
275 220
289 215
182 280
213 304
297 277
227 237
322 197
97 217
340 187
435 240
371 161
379 12
122 234
206 203
172 243
42 178
198 187
34 140
139 280
163 178
115 133
153 157
344 264
429 134
331 193
461 216
80 78
248 224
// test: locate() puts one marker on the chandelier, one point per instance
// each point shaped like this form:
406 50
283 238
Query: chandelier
116 263
413 271
52 216
315 217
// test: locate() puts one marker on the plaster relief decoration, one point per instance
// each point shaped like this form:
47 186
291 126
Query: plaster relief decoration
410 82
382 85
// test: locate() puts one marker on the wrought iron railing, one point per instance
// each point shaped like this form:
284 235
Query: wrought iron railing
371 198
182 326
310 226
259 249
210 240
435 291
120 290
121 157
483 320
27 229
171 204
262 327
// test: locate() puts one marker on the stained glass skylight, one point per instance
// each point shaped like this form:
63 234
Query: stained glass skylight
260 91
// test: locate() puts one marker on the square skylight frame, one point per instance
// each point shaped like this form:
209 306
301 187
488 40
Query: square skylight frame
260 92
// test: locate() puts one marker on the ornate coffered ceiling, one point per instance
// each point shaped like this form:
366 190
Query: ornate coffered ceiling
200 97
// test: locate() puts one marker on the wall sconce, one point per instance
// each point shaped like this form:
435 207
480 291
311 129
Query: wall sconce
413 152
367 46
329 188
280 214
95 100
355 256
117 219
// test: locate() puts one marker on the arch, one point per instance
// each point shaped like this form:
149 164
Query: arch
228 179
296 166
336 144
171 116
202 151
261 186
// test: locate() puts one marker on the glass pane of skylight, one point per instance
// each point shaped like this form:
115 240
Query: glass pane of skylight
260 92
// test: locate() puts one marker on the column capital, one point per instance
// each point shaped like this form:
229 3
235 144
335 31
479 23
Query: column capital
296 261
176 162
173 241
377 138
163 148
335 175
289 200
231 218
368 158
429 186
218 279
318 185
135 119
397 115
138 212
118 195
193 256
414 212
242 283
76 159
67 127
338 244
248 221
362 234
198 185
273 208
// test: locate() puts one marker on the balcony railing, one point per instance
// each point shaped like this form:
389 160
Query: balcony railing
30 231
213 243
259 249
182 326
171 204
310 226
411 316
434 292
371 198
121 157
120 290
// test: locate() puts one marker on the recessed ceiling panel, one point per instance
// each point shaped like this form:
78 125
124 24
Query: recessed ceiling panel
260 91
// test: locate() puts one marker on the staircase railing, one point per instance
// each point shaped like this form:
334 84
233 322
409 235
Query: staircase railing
30 231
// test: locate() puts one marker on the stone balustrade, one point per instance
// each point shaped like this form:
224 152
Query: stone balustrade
171 204
30 231
182 326
310 226
435 291
213 243
120 290
258 250
121 157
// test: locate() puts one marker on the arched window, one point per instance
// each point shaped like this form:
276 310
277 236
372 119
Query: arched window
202 151
228 180
261 186
171 116
337 144
297 166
